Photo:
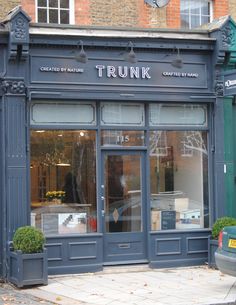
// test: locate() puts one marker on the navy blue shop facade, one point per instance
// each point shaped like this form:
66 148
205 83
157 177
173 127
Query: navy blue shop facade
112 144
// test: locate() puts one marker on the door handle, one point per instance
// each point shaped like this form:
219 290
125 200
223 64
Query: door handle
102 198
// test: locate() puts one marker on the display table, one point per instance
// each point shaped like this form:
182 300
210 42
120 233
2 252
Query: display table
61 218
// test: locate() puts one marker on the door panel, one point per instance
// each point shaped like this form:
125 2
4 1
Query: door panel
123 193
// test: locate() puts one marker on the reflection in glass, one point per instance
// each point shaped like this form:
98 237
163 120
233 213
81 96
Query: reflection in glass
179 180
123 193
63 181
192 12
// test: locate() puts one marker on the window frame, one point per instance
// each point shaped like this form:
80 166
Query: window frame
189 15
71 12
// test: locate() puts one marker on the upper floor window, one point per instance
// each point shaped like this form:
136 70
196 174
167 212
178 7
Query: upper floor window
195 13
55 11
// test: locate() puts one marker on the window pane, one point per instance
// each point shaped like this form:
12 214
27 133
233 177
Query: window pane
122 114
63 181
53 16
42 3
53 3
59 113
195 21
64 17
64 3
185 22
122 138
123 193
195 8
42 15
184 6
177 115
179 180
205 19
205 8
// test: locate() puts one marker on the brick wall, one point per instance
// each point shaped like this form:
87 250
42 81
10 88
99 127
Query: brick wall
125 13
6 6
114 13
173 14
83 12
232 9
29 8
220 8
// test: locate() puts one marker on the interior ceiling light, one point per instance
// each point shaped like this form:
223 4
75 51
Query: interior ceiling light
63 164
131 56
80 54
177 62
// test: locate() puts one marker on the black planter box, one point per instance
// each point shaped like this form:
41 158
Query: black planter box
212 246
28 269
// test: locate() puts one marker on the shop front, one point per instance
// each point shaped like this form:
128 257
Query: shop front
123 161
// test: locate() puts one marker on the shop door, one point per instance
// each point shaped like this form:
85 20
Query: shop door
124 215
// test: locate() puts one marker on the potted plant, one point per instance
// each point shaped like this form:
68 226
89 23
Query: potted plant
219 224
28 258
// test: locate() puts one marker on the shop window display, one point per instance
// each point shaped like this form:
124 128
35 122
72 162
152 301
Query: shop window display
179 180
63 181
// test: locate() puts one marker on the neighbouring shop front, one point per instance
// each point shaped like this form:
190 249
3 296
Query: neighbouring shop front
114 144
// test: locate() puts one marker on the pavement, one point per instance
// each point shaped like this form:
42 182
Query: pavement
136 285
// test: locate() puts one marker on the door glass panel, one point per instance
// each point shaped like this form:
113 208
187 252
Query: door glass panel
123 206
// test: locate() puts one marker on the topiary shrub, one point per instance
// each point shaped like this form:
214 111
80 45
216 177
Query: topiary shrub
28 240
220 224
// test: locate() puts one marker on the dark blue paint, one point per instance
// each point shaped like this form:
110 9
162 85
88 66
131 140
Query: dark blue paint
22 81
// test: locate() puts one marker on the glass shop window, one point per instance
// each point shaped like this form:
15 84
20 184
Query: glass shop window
178 115
55 11
63 181
122 114
62 113
178 179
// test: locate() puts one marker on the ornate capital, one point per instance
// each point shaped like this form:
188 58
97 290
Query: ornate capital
219 88
17 22
16 87
228 37
20 29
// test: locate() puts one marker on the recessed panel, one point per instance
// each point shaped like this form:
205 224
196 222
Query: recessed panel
54 251
168 246
197 244
82 250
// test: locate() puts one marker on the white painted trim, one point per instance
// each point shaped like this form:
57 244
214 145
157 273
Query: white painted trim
211 11
36 10
72 12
